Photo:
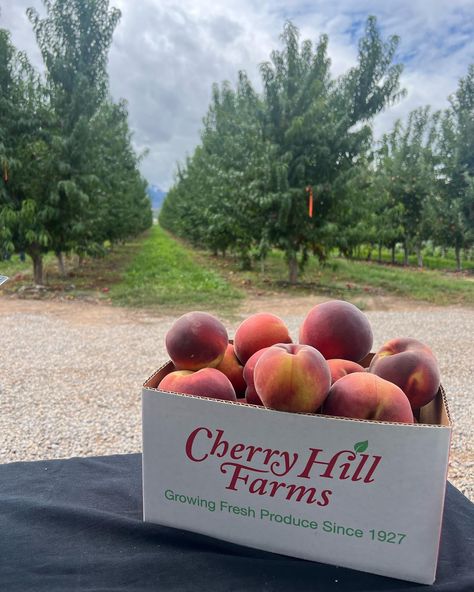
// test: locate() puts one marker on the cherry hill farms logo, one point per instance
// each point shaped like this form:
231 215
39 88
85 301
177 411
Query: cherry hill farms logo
266 472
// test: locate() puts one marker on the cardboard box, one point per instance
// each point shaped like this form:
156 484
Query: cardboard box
360 494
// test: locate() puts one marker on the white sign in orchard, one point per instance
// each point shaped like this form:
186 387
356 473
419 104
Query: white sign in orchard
360 494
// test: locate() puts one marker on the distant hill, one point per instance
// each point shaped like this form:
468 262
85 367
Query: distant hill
156 196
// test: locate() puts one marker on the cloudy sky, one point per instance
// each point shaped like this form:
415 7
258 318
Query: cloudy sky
166 55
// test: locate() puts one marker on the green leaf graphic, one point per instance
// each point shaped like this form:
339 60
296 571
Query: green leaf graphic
361 446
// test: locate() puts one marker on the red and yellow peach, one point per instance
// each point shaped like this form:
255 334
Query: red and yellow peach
207 382
290 377
411 365
258 331
251 395
340 368
196 340
233 369
338 329
361 395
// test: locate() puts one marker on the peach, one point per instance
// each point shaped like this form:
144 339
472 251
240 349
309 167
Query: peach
411 365
233 369
340 368
207 382
361 395
251 397
196 340
290 377
338 329
258 331
251 394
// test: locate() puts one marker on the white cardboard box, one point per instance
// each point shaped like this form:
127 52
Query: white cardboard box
360 494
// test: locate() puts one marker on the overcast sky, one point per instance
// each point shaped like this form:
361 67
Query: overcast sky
166 55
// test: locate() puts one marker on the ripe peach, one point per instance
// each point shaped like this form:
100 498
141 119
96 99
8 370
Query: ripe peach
251 394
258 331
340 368
196 340
290 377
251 397
411 365
233 369
338 329
207 382
361 395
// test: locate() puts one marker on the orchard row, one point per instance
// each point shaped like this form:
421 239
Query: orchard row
296 167
69 175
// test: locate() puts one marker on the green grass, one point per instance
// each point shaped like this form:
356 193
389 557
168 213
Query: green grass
151 271
429 285
91 280
430 261
157 271
356 280
164 274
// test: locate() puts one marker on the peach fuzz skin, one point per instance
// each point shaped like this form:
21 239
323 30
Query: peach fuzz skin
290 377
411 365
196 340
361 395
233 369
340 368
338 329
251 395
207 382
257 332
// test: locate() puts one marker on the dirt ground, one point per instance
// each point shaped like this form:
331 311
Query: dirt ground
86 313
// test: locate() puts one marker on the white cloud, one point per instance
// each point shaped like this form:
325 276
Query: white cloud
166 55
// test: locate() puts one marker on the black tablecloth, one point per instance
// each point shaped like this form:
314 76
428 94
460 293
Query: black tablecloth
75 524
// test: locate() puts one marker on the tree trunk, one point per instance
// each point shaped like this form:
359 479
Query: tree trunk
457 250
419 256
293 268
61 264
393 253
38 268
379 258
262 265
245 261
405 253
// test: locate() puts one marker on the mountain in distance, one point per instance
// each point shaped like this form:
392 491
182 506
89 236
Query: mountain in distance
156 196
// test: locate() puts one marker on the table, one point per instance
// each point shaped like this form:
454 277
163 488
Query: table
75 524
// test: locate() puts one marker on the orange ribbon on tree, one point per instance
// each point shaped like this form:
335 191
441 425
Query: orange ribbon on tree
309 190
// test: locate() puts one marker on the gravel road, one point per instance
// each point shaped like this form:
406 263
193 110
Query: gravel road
71 375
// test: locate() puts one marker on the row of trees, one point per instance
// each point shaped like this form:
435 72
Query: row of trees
264 157
69 175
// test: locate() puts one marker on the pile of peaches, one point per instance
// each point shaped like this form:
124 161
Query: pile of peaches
330 370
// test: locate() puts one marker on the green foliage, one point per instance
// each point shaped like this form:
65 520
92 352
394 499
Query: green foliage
220 200
453 204
406 176
70 175
245 187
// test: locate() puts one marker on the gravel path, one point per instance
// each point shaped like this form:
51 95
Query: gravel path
71 375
